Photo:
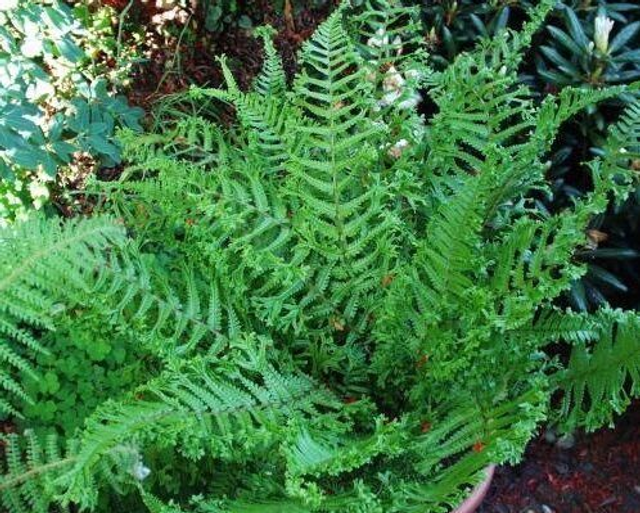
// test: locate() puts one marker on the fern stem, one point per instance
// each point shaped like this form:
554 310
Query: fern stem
26 476
39 255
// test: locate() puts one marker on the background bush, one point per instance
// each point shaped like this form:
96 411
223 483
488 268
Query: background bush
55 100
567 53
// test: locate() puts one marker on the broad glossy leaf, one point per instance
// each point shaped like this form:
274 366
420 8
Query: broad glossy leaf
624 36
554 56
597 273
30 158
69 50
563 38
575 28
103 146
63 150
614 253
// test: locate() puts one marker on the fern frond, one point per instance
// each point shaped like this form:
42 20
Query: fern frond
27 472
319 455
621 148
271 82
480 101
555 326
155 505
168 320
438 280
193 140
469 439
603 372
481 110
218 398
44 267
533 264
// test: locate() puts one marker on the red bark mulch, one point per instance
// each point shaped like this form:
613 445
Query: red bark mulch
599 474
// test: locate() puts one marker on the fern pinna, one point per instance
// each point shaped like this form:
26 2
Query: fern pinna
347 307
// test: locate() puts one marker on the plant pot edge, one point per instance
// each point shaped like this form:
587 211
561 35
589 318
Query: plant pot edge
473 501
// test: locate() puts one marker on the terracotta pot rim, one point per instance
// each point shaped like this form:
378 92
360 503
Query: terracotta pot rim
473 501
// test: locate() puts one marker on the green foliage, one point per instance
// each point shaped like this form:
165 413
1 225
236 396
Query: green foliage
571 51
587 49
89 359
26 471
601 365
220 14
44 268
51 105
344 307
131 294
454 26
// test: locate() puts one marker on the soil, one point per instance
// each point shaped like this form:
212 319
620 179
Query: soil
599 474
175 59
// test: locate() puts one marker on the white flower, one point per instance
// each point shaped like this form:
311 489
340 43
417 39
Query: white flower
32 47
39 193
411 101
398 148
140 471
394 87
393 80
39 89
604 26
379 40
413 74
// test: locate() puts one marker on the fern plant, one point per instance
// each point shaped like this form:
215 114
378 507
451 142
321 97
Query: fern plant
348 307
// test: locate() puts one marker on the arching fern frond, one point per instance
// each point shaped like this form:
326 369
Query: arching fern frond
469 439
311 457
26 473
481 102
199 398
44 267
603 372
263 121
621 148
169 321
435 284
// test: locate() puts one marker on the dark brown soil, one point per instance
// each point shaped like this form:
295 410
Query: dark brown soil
600 474
174 62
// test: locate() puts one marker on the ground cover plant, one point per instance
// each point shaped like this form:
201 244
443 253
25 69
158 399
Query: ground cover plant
336 304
